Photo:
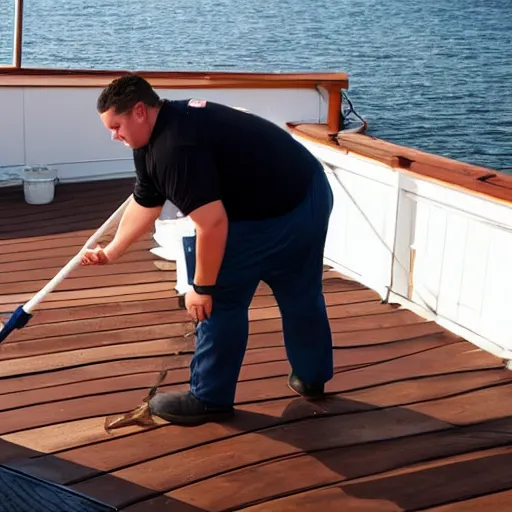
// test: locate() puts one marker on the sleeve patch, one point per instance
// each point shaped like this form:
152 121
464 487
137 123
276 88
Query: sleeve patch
197 103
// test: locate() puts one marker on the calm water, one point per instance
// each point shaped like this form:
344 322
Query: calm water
433 75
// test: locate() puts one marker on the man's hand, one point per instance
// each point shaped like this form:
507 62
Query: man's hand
96 256
136 221
198 306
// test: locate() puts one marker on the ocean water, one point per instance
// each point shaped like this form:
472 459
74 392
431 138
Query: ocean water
436 76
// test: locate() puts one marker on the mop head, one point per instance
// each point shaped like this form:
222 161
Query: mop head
142 414
139 416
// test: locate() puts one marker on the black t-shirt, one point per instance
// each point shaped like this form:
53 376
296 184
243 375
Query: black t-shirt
201 152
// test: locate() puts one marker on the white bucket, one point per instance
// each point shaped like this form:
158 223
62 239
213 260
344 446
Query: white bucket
170 228
39 184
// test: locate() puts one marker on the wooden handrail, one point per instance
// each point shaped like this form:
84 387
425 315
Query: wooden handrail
476 180
12 77
316 77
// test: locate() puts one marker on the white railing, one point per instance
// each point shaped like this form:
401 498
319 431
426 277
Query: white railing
437 249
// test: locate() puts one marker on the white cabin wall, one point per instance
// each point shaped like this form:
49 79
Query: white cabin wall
423 243
63 126
280 106
59 127
62 129
12 147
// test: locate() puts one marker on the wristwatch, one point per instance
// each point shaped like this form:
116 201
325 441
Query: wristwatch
203 290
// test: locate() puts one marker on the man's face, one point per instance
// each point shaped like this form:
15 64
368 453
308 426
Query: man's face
131 128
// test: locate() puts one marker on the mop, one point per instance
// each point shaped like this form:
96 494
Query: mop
21 316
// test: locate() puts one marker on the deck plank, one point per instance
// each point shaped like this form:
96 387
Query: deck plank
365 322
139 304
258 364
162 475
415 488
70 248
87 283
59 261
269 480
48 439
46 274
413 418
494 501
75 335
68 351
117 453
88 405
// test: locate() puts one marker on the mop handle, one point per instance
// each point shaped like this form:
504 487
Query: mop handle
76 260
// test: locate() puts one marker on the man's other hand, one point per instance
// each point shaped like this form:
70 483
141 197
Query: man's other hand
96 256
198 306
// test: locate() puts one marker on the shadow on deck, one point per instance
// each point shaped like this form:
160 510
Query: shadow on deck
416 418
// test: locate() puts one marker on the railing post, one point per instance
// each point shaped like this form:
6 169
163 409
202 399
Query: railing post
18 32
334 108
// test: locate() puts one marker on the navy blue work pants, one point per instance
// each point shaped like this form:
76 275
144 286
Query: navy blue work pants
287 253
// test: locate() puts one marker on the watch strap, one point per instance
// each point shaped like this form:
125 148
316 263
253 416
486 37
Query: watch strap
204 290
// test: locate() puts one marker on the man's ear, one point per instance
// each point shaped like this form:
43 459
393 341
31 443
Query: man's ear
140 111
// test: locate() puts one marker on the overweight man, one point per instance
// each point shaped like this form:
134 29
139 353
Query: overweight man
260 203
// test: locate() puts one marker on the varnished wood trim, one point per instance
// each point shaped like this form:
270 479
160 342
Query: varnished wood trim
473 179
319 133
316 77
334 109
12 77
18 34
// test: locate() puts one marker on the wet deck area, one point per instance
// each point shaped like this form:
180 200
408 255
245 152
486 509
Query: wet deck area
416 418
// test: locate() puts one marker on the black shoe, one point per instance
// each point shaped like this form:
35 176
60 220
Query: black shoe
183 408
309 391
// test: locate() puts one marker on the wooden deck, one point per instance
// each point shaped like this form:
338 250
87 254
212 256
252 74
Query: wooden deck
416 419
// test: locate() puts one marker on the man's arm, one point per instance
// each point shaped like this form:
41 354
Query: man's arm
135 222
195 190
211 224
141 213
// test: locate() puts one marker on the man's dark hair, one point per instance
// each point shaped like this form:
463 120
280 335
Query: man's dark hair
124 92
